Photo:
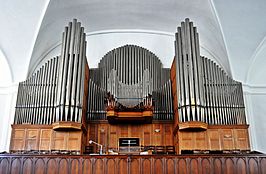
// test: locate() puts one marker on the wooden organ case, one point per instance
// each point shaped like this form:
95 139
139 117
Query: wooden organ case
192 106
208 104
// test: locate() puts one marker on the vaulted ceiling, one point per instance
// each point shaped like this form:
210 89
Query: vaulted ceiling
231 32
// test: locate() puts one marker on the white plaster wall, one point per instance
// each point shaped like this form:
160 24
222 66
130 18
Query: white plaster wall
255 102
259 109
255 91
8 97
8 94
161 44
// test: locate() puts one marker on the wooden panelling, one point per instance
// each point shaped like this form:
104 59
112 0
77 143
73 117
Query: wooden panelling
67 140
43 137
59 141
18 139
32 137
215 138
149 134
31 140
242 139
74 140
113 139
135 130
186 141
201 140
157 136
147 138
175 104
124 131
227 139
105 164
192 140
174 92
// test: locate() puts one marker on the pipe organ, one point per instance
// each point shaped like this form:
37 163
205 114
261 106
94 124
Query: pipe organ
96 106
163 110
52 102
206 93
36 96
130 75
209 107
71 76
194 105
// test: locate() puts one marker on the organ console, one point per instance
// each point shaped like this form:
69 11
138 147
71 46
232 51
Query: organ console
195 105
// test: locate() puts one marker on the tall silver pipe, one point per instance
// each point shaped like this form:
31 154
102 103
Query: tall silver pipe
80 71
53 89
17 110
74 78
43 87
27 98
213 92
60 99
68 109
46 93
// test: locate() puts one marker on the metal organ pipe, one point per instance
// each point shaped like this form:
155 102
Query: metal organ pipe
26 101
206 93
35 101
132 75
131 63
96 106
59 83
17 110
60 115
223 90
25 97
137 73
70 91
53 86
69 74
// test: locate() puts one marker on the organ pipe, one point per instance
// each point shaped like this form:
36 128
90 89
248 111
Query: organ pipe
206 92
130 61
96 105
132 76
36 96
71 73
55 91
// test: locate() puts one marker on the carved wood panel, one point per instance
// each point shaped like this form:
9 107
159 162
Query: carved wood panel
133 164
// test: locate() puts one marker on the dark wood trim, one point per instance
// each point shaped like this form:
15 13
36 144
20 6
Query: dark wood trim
33 126
153 121
244 126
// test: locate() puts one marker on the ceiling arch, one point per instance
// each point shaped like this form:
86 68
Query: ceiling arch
20 23
231 29
124 15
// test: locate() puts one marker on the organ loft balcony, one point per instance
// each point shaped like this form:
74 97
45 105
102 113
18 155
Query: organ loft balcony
129 110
